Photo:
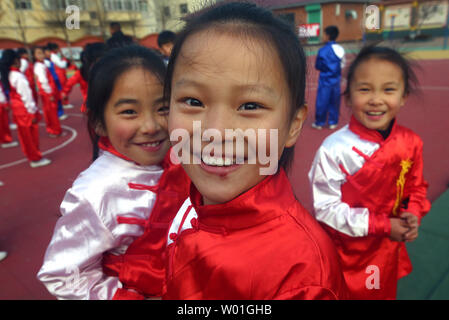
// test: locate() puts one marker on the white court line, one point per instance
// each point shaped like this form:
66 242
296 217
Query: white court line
73 137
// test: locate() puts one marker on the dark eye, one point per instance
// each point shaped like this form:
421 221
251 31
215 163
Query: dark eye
193 102
363 89
250 106
390 89
128 112
163 110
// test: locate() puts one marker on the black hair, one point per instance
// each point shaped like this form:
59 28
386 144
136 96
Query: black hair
332 32
387 54
115 24
92 52
164 37
52 46
107 70
9 56
21 51
254 21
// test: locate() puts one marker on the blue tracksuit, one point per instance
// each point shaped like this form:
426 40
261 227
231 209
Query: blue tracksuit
328 94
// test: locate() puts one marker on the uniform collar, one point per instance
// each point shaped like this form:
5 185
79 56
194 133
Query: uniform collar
369 134
14 69
265 201
105 144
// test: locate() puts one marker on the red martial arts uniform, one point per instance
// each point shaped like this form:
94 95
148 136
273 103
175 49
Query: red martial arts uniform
5 133
27 68
77 78
49 95
379 179
24 110
60 69
260 245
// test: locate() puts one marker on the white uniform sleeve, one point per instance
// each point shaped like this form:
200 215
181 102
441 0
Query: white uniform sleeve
326 179
23 65
20 83
56 59
40 72
339 52
72 267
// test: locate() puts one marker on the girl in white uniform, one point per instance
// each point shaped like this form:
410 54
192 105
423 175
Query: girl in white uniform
126 109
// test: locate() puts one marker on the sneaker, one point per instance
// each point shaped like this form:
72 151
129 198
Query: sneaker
42 162
54 135
333 126
67 106
1 184
3 255
12 126
315 126
10 144
63 117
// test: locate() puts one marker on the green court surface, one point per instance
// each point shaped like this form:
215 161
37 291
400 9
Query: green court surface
429 279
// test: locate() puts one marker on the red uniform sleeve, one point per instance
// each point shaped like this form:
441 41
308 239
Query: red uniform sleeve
308 293
416 187
71 82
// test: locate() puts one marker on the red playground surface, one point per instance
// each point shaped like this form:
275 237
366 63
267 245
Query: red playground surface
30 198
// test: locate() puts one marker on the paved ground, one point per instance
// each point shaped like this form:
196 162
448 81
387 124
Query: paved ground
30 198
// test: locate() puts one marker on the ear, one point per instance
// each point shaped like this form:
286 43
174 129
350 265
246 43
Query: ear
296 126
404 99
100 130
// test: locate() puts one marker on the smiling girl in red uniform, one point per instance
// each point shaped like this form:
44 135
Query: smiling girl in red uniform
116 214
242 234
367 178
24 109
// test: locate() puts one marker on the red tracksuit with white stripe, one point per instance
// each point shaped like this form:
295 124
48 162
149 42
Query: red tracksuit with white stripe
24 110
49 95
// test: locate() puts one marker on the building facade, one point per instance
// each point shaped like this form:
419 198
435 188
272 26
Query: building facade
36 22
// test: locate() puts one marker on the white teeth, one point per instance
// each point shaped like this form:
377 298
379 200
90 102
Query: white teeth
218 162
378 113
153 144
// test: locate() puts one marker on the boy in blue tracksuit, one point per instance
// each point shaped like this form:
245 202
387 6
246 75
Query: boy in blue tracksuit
329 61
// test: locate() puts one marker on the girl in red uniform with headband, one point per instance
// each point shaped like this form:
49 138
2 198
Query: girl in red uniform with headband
367 178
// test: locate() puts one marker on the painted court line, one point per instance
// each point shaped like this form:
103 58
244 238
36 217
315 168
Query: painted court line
73 137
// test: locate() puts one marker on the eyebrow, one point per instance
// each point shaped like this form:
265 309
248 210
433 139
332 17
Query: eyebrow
125 101
244 87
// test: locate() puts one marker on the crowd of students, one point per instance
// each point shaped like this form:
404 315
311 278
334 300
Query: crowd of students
145 222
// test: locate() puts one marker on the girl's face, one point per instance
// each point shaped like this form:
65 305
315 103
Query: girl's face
229 83
39 54
376 93
135 118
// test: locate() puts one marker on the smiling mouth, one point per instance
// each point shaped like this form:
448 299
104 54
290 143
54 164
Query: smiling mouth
375 113
151 144
217 162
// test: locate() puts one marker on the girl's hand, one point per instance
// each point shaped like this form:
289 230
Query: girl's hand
411 235
410 218
399 228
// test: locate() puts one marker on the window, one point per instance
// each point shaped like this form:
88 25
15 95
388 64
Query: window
22 4
166 11
63 4
183 9
143 5
123 5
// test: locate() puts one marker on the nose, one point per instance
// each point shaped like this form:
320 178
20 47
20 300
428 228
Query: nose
376 99
149 125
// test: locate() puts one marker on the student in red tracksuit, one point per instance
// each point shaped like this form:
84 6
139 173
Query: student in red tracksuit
91 53
48 93
23 106
27 68
5 134
61 65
